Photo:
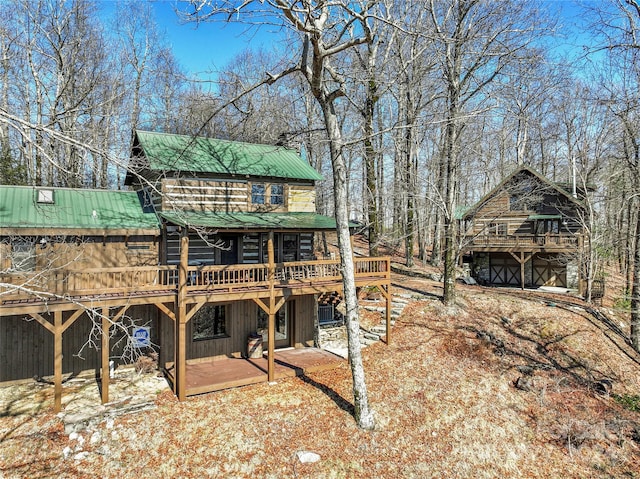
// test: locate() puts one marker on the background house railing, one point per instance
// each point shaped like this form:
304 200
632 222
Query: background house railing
547 240
132 280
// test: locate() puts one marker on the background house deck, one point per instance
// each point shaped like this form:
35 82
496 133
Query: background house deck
548 242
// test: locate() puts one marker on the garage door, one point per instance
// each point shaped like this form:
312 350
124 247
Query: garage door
504 270
548 271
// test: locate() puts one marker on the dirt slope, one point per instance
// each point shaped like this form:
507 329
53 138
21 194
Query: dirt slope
444 392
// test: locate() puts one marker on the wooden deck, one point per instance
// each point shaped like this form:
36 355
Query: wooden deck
56 301
107 287
527 243
225 373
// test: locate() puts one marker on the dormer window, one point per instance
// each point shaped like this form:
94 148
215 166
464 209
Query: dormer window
45 196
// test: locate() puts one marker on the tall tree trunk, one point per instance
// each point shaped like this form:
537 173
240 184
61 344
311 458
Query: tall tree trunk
363 415
409 233
635 290
436 250
450 230
370 170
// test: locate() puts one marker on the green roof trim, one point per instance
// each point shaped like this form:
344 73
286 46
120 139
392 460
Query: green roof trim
544 217
47 208
460 212
168 152
267 221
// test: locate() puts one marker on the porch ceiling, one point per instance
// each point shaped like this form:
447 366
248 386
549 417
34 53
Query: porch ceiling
247 221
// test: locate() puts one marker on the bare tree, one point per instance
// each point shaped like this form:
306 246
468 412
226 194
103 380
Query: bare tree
476 41
326 30
617 24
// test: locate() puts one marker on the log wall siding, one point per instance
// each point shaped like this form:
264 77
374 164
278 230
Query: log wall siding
242 319
115 252
497 211
251 248
231 196
26 347
202 195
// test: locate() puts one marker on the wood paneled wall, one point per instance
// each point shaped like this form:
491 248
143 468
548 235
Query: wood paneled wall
89 252
26 347
242 318
302 199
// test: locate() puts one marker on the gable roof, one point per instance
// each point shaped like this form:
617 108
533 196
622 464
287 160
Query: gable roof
168 152
69 210
466 212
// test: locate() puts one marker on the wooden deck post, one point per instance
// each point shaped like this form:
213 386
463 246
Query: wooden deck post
180 346
582 285
389 302
386 292
104 379
271 331
57 362
522 260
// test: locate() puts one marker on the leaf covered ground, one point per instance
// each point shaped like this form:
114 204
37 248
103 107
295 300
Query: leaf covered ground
445 399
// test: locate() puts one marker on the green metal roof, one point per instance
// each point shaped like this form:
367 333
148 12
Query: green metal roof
167 152
278 221
460 212
73 209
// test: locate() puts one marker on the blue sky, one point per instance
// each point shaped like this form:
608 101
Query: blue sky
209 46
199 48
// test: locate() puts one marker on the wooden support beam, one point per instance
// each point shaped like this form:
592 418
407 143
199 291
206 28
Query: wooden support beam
194 309
522 259
180 325
47 325
104 375
387 296
261 305
119 314
271 332
162 307
57 361
72 319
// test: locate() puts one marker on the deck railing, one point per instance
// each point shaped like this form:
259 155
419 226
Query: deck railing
106 281
523 241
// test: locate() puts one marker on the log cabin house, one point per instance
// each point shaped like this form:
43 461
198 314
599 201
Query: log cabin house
526 232
209 254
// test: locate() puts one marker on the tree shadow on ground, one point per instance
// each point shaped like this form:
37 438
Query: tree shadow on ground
341 402
428 294
542 354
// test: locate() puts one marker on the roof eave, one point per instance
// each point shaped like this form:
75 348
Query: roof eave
53 231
